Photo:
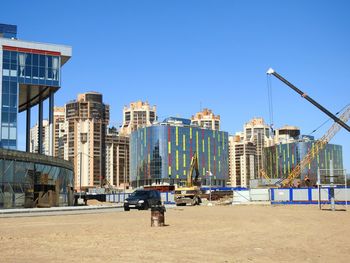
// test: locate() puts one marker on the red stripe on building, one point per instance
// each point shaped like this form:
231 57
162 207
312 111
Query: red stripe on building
169 140
30 50
191 151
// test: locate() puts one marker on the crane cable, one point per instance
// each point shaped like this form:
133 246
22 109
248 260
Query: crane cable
270 101
328 119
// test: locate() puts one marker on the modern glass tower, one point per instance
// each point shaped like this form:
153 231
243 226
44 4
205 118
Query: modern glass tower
162 154
30 73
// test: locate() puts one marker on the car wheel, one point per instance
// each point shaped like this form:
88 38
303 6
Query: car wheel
126 209
146 206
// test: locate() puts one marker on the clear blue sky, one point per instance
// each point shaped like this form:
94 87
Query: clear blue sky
179 55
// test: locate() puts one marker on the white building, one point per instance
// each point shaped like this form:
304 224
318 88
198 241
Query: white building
138 114
242 161
34 135
246 150
206 119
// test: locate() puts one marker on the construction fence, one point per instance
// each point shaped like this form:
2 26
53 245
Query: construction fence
273 195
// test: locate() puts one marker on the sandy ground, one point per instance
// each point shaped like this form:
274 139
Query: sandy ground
194 234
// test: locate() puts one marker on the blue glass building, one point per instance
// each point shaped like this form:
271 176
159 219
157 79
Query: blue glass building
279 160
30 73
162 154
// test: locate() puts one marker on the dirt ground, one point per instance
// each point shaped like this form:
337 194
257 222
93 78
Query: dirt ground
194 234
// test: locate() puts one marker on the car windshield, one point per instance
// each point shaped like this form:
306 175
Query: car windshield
139 193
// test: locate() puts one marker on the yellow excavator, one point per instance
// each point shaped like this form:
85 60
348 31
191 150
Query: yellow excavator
189 194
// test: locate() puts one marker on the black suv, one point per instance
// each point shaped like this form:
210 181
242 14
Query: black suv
142 200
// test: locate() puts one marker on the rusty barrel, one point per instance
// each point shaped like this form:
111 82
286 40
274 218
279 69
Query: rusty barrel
157 215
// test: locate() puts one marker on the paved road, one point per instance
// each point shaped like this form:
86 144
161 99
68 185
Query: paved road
58 211
54 211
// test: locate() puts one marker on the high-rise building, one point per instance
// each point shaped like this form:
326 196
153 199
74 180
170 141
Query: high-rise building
117 159
59 129
34 134
246 152
138 114
87 119
58 126
242 161
206 119
258 133
161 154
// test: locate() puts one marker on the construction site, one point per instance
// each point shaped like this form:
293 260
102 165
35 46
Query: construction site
165 191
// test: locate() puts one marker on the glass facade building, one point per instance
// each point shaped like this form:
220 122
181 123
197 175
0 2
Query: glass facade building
29 180
19 71
279 160
30 73
162 154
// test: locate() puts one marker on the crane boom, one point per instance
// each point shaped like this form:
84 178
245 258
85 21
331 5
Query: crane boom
312 101
317 147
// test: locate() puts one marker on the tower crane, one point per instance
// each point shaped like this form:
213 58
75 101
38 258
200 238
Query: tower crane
320 144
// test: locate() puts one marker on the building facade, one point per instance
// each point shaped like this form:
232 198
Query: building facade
242 161
206 119
86 121
30 73
281 159
162 154
34 134
117 160
257 132
138 114
286 134
59 129
246 152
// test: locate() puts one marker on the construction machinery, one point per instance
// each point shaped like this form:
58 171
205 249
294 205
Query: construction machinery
189 194
320 144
